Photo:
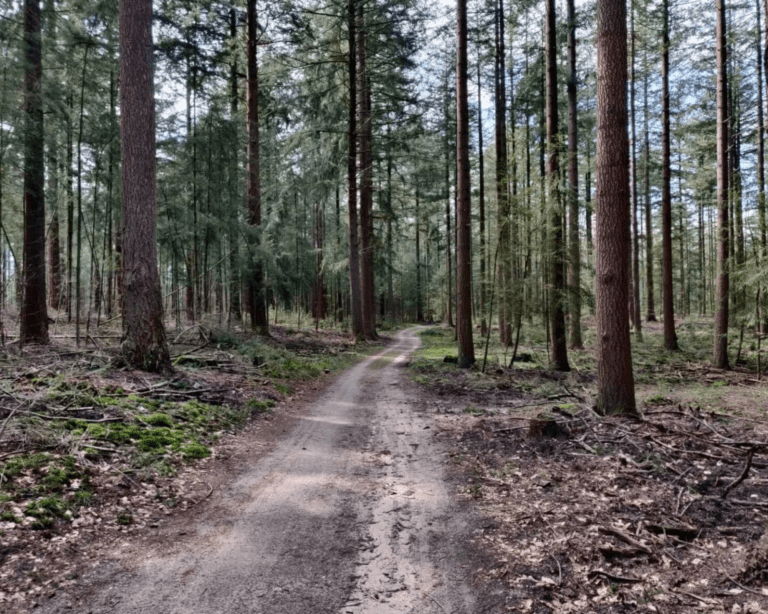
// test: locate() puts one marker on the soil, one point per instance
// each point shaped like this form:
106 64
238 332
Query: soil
338 504
369 493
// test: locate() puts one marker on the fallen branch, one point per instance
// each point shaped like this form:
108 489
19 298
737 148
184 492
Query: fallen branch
613 578
7 420
625 538
741 586
743 475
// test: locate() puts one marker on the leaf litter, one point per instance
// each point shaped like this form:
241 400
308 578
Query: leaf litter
587 513
91 454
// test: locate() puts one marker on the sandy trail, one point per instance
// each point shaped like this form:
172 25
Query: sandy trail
348 515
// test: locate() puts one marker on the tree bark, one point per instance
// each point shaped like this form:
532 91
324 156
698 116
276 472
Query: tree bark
234 262
668 299
144 344
763 306
574 277
650 315
720 353
419 303
358 331
34 316
615 381
257 295
463 209
481 201
636 319
557 295
54 241
366 184
504 266
448 259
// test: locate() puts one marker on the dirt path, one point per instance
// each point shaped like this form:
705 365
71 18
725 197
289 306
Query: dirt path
349 514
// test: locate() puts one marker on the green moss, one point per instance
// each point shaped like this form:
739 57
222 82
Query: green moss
159 420
46 510
124 517
82 497
15 466
97 431
9 517
260 406
282 389
195 450
76 425
56 479
159 437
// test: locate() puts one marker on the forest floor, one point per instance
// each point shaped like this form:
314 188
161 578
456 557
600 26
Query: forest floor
426 489
586 513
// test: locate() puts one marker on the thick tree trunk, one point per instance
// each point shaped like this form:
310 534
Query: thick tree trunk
144 344
720 353
615 382
670 336
34 316
366 184
557 295
257 295
463 209
574 271
354 253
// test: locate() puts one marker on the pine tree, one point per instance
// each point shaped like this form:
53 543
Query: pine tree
144 345
615 381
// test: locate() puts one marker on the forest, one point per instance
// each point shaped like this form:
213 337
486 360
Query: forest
260 189
208 210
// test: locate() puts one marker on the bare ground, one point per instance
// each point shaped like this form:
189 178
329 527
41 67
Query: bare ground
593 514
341 507
466 493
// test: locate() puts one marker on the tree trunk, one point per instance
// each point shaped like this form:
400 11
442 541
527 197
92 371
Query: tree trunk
54 242
234 262
650 315
720 353
670 336
615 382
504 266
358 330
144 344
34 316
463 209
448 261
763 295
257 295
557 295
366 184
636 319
70 205
481 201
419 305
574 277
